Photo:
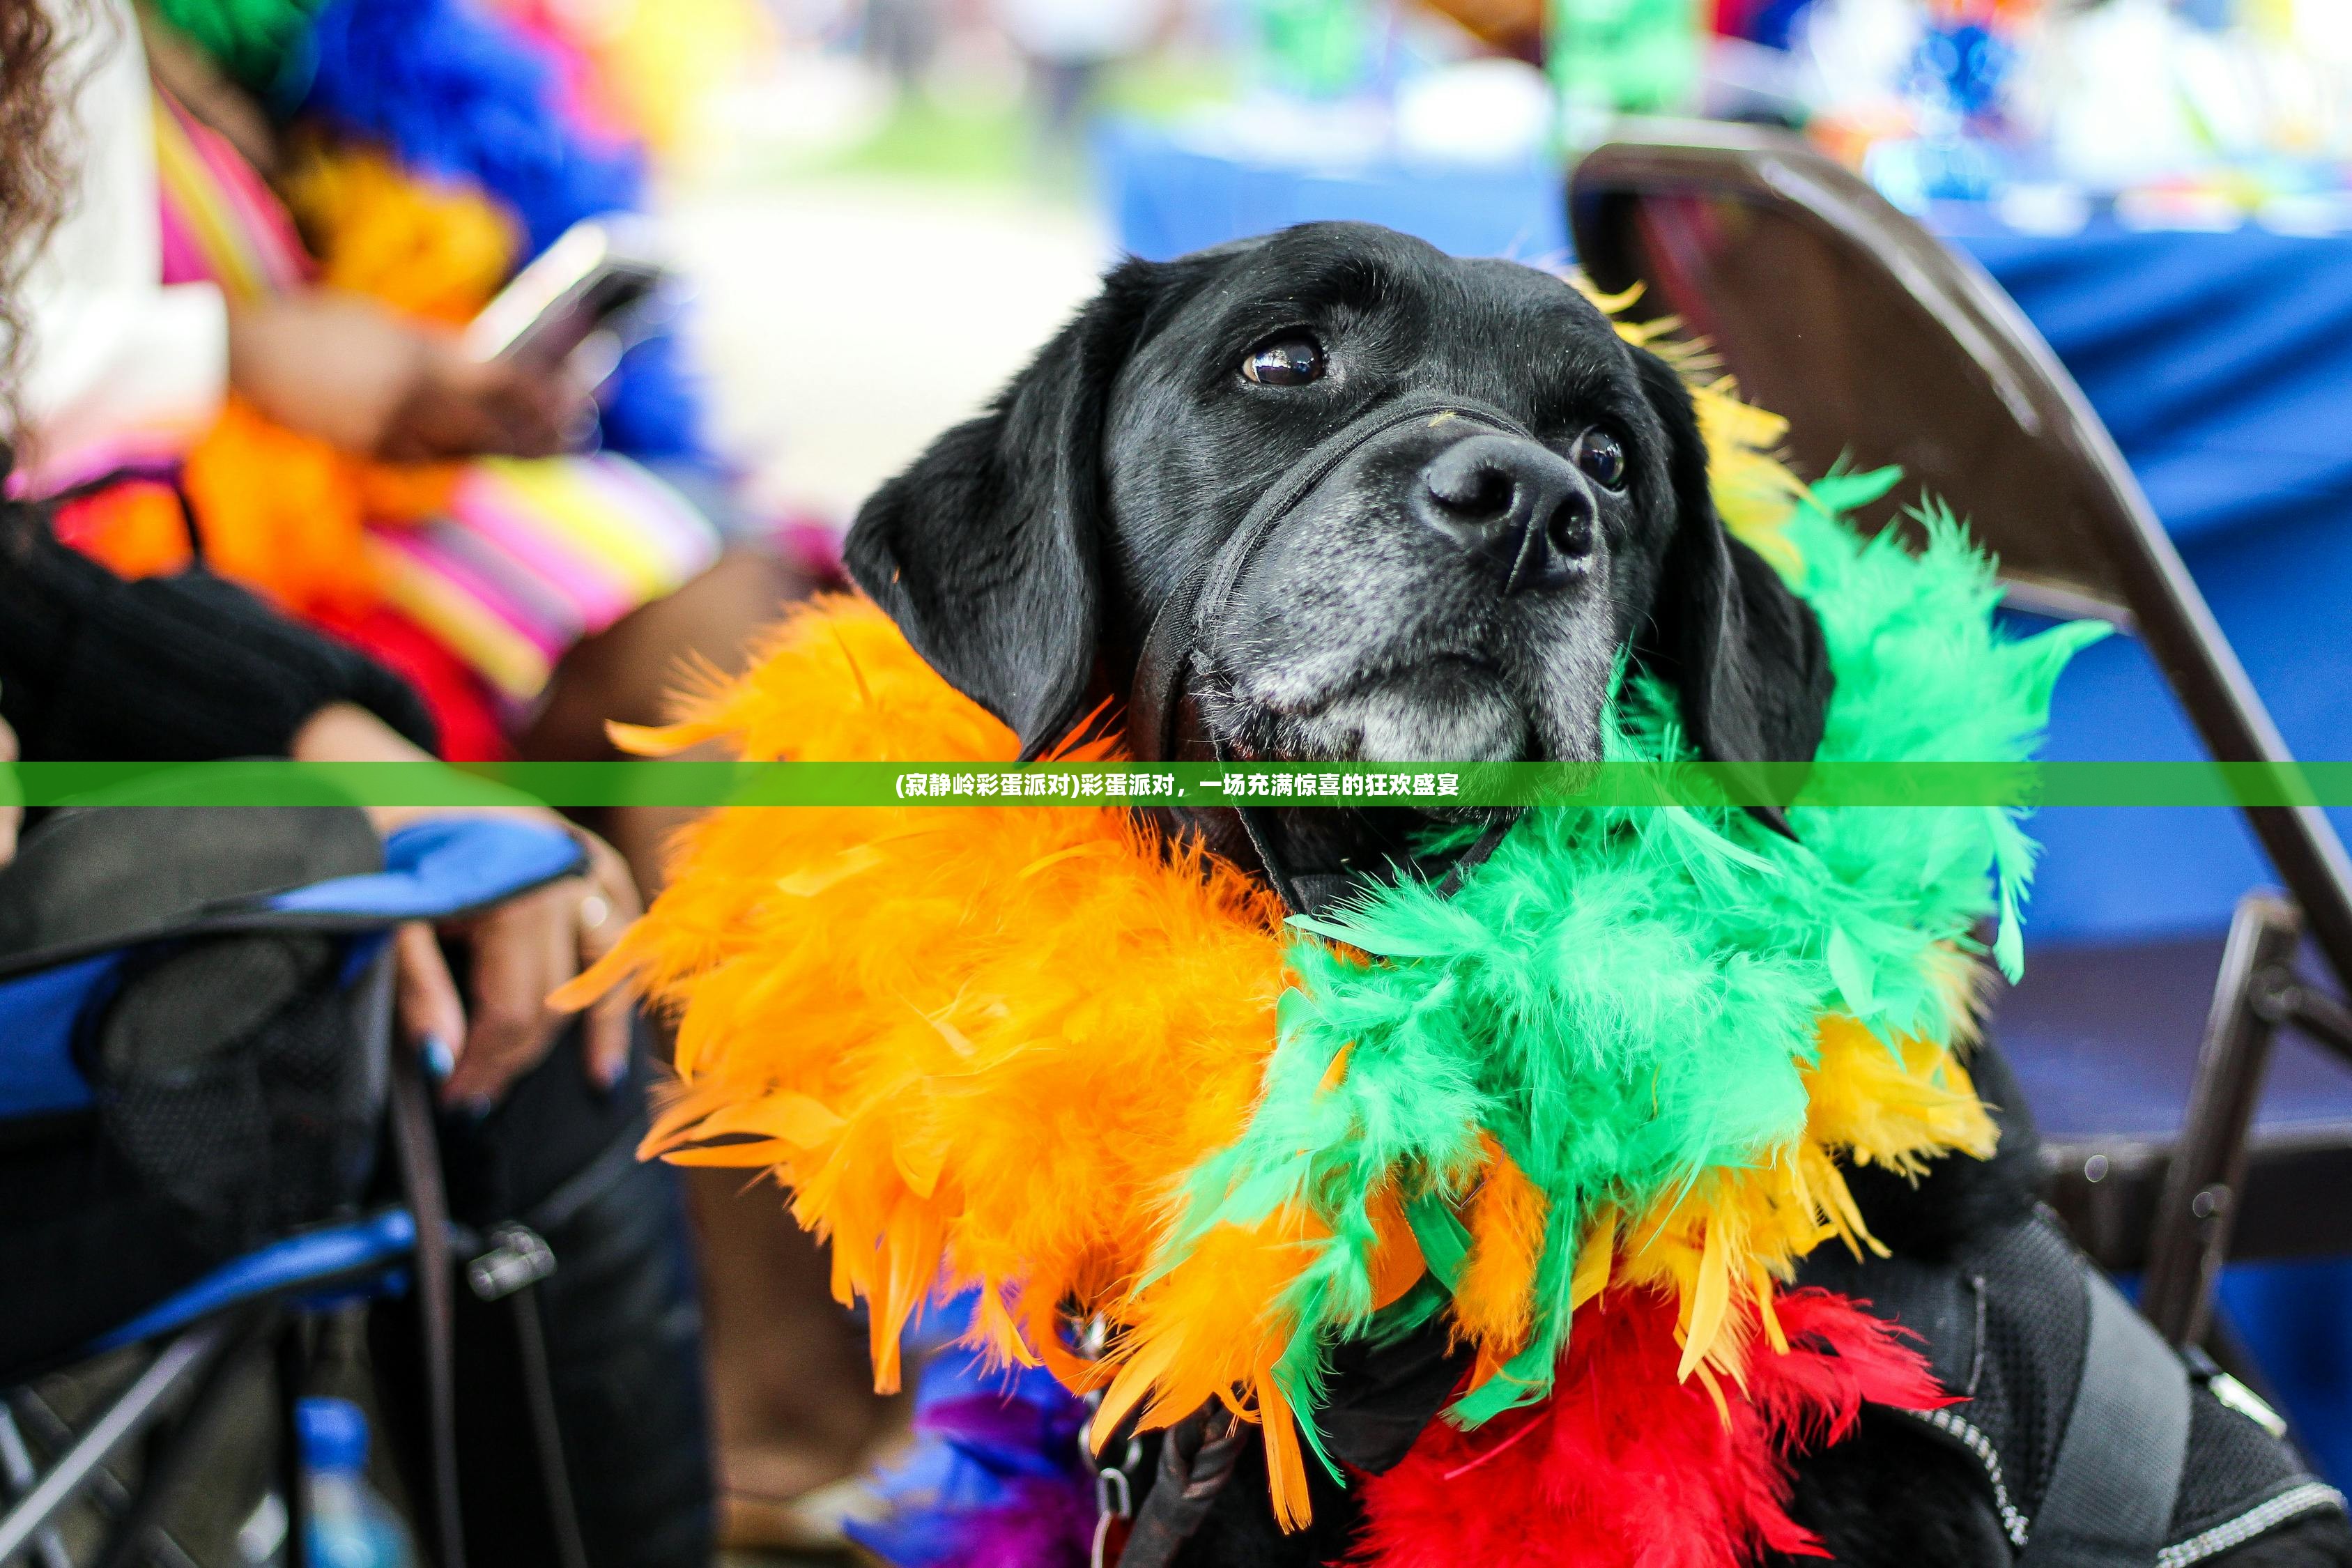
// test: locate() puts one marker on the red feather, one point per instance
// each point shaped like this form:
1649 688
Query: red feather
1626 1467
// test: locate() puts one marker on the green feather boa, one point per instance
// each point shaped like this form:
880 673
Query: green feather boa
1625 999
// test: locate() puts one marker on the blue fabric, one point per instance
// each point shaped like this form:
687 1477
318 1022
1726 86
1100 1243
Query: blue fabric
313 1257
443 866
1166 199
985 1438
2223 362
38 1014
652 408
458 91
2292 1319
433 869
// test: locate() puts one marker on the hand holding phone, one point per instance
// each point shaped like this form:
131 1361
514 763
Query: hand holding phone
604 283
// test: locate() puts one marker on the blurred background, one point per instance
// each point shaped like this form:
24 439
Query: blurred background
879 209
887 205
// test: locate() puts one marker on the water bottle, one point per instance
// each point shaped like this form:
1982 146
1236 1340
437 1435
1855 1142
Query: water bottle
351 1525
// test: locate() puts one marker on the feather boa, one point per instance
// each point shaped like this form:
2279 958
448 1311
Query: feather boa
465 97
252 40
1624 1467
462 94
1029 1052
1629 1468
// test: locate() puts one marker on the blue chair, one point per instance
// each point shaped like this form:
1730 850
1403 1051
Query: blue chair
440 870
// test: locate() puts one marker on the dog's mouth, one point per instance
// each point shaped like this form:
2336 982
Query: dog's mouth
1452 707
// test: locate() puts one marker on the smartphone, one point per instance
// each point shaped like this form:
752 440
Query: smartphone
603 278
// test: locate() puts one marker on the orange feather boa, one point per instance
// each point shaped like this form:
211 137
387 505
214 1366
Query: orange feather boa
982 1047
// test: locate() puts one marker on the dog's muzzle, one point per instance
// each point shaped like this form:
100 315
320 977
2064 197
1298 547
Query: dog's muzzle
1164 721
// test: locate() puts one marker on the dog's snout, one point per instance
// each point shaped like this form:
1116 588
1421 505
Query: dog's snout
1516 505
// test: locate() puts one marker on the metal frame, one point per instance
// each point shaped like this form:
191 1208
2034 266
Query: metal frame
187 1375
2143 583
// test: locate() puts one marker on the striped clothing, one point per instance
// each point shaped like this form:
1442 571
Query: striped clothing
526 558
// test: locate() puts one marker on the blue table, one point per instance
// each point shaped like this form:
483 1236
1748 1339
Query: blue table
2223 362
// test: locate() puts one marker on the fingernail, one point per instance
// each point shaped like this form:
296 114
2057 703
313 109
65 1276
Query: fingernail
479 1107
440 1061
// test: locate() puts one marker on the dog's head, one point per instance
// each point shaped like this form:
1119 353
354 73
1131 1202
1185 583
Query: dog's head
1455 587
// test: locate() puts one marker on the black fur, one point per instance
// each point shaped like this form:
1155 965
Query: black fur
1724 595
987 551
1027 552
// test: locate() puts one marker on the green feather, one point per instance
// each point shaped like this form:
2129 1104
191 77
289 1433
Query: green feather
1626 998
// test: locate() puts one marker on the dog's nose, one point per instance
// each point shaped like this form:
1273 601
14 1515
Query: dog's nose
1518 506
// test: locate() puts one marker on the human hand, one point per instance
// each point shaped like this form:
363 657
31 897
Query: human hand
11 811
522 952
355 374
464 407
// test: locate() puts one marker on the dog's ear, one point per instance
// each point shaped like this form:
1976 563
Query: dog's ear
987 551
1746 653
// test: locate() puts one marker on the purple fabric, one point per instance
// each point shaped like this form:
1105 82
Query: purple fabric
996 1479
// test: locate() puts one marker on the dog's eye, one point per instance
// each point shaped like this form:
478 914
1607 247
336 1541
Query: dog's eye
1599 455
1288 362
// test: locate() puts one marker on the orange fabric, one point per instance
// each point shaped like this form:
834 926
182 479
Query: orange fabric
285 513
133 529
1492 1306
432 251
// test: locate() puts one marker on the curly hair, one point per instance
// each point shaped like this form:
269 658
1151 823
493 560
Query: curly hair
34 38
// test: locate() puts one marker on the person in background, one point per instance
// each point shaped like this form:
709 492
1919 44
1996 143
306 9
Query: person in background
537 1104
338 450
186 666
902 36
1067 43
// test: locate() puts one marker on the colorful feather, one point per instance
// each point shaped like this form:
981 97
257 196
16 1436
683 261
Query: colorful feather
1035 1052
1630 1467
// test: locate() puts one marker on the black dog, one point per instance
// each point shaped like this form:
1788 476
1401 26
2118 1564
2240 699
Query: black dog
1333 494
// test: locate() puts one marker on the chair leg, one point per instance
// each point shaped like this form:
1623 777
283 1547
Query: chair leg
134 1537
178 1366
17 1464
419 1161
288 1378
107 1495
2196 1210
547 1429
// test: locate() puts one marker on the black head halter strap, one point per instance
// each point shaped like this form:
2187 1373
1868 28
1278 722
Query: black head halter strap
1163 716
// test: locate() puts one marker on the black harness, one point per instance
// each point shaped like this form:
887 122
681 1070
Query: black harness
2101 1445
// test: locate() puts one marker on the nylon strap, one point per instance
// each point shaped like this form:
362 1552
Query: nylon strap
418 1156
2109 1500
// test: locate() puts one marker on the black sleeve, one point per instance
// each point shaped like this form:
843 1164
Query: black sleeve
178 669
